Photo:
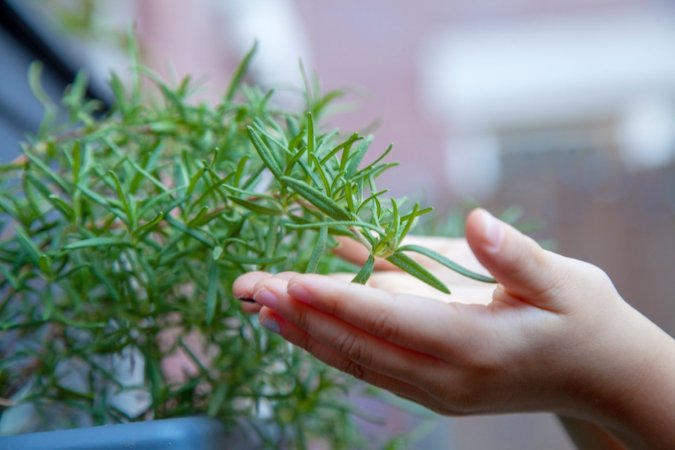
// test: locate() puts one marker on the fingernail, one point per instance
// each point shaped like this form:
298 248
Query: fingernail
271 324
493 230
299 293
246 299
265 298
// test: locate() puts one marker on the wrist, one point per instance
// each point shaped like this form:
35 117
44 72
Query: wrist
629 382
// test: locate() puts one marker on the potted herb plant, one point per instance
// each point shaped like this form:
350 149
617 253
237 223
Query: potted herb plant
123 231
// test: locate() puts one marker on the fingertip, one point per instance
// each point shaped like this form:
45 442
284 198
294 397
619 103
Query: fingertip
485 235
240 287
474 226
320 290
246 285
515 260
484 231
268 290
245 279
299 287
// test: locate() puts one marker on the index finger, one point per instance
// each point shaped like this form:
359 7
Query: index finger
410 321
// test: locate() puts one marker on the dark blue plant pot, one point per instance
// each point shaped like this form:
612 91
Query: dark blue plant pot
191 433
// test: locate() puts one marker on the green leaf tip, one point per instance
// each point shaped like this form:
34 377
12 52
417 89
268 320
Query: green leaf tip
366 271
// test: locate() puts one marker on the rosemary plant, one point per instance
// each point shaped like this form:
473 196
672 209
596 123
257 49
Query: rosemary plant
119 227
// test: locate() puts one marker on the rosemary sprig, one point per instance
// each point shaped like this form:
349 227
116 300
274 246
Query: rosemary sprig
121 226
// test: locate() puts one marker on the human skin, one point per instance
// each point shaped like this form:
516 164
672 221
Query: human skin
553 335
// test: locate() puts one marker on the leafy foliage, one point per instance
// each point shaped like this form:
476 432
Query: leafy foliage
124 232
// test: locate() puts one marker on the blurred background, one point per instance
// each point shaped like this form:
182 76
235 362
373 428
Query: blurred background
563 108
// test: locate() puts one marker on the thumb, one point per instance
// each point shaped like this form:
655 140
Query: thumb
517 262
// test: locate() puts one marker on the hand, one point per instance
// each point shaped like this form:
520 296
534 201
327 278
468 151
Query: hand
554 335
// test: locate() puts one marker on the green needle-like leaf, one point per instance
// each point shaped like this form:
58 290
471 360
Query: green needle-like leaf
265 153
34 159
345 147
294 160
366 271
311 141
322 174
379 158
447 263
212 292
317 198
198 235
318 250
194 179
217 400
65 208
409 265
356 157
123 196
35 83
270 210
147 227
240 72
333 223
253 259
29 246
98 242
